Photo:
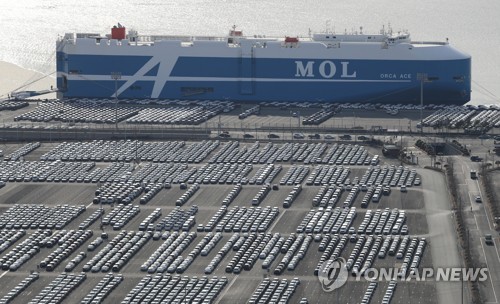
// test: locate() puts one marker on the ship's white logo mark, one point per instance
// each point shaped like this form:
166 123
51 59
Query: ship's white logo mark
326 69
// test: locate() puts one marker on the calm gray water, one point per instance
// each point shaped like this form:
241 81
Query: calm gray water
31 27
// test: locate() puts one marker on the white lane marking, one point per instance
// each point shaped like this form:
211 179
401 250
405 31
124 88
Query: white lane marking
475 220
489 270
496 249
227 288
89 205
473 214
276 221
484 208
4 274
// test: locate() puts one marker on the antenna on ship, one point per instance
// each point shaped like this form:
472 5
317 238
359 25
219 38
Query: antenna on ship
327 26
361 30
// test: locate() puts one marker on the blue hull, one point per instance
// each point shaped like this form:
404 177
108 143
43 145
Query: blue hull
264 79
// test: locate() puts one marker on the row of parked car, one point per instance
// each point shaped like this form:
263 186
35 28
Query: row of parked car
232 195
105 286
261 195
116 193
294 252
150 191
78 112
295 175
187 195
464 118
118 251
127 150
24 150
271 250
248 248
91 219
292 196
389 293
345 154
206 244
162 173
23 251
71 265
374 194
250 111
59 288
177 115
328 175
12 105
370 291
174 262
231 153
412 255
120 215
328 220
220 174
241 219
40 171
363 254
130 150
176 289
221 253
68 243
178 219
116 172
19 288
383 222
9 237
274 291
351 196
320 116
37 216
167 258
331 247
234 152
327 196
147 223
264 175
289 152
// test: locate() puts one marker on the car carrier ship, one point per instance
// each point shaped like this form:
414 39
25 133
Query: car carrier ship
325 67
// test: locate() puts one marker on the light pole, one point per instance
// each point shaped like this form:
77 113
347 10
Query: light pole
115 76
422 77
298 120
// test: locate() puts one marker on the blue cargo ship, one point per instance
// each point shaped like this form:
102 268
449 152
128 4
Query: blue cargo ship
327 67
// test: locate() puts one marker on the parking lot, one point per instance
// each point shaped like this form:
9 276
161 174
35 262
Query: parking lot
335 178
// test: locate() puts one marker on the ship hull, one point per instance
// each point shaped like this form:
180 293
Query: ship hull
175 72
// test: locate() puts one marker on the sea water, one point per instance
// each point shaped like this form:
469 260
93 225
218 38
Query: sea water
30 28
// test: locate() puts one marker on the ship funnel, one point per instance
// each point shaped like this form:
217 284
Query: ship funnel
118 32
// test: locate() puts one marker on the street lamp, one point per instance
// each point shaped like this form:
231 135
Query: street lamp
115 76
422 77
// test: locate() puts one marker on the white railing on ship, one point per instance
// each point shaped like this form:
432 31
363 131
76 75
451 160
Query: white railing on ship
429 42
178 38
